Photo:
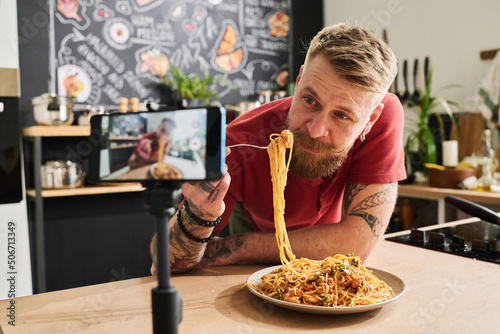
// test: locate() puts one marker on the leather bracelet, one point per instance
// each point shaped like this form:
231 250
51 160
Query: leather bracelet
199 221
189 235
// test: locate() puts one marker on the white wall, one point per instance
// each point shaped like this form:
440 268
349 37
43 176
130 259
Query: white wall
16 212
451 32
8 38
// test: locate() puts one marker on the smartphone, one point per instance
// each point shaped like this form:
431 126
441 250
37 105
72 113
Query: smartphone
183 144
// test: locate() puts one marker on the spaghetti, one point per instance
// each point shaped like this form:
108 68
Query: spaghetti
336 281
165 171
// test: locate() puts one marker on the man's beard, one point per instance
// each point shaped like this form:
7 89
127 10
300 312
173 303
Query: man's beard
313 166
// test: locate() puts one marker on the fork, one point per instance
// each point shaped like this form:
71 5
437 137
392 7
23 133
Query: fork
249 145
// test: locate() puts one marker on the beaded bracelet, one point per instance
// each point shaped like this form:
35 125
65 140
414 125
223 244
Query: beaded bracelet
189 235
199 221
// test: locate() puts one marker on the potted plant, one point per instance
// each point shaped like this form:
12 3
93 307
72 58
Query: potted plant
421 142
193 88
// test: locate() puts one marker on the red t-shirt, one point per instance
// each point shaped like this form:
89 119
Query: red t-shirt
378 159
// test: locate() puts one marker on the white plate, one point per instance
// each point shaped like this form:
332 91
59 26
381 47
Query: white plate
397 285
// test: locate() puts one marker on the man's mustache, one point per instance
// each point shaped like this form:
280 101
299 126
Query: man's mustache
316 145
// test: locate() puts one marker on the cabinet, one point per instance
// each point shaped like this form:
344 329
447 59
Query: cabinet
33 137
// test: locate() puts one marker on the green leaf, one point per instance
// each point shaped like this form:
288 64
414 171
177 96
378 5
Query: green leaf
194 86
430 154
344 268
419 133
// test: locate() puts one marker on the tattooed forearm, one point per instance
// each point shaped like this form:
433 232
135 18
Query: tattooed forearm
387 196
184 254
224 250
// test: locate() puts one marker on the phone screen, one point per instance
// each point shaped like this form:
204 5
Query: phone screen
186 144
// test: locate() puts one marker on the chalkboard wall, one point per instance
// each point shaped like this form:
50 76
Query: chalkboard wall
107 49
118 46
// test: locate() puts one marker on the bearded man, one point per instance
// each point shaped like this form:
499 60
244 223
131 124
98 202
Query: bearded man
342 183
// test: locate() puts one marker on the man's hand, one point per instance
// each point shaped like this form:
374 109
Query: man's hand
206 202
206 198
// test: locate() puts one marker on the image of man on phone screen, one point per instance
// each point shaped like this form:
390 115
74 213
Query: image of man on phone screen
147 149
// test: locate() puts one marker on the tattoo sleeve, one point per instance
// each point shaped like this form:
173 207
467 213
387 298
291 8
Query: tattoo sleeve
222 252
361 209
184 253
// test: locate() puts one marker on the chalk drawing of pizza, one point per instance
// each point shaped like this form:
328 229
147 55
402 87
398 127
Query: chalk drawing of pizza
229 53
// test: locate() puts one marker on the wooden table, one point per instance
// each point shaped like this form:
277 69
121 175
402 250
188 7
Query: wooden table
139 173
445 294
438 194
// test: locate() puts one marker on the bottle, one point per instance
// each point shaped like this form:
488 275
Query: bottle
486 179
406 214
487 154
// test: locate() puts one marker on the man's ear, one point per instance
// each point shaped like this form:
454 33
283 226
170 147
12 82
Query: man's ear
373 117
300 74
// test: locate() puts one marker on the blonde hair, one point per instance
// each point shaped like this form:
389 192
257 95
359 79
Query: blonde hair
357 55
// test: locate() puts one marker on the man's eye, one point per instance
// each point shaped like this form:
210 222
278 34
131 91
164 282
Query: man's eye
309 100
341 115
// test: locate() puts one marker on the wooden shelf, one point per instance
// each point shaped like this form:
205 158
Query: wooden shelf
88 190
424 191
57 131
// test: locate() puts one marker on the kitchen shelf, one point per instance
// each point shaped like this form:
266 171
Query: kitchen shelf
88 190
424 191
57 131
33 136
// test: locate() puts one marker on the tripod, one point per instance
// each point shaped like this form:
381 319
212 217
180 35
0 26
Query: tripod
161 199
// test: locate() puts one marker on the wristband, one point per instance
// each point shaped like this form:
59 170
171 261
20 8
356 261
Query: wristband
189 235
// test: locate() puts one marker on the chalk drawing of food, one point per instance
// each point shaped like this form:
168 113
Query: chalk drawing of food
69 8
279 23
72 84
143 2
74 81
117 32
229 54
177 12
155 62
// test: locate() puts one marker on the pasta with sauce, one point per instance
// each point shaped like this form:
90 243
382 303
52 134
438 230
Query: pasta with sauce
337 281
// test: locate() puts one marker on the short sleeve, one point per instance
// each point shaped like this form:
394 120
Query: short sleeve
380 158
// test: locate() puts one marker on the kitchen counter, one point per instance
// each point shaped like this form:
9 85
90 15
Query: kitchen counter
445 294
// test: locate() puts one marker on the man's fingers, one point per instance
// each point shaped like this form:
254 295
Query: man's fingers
221 188
207 187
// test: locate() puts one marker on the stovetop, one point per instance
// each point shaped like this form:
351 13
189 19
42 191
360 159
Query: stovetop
478 240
